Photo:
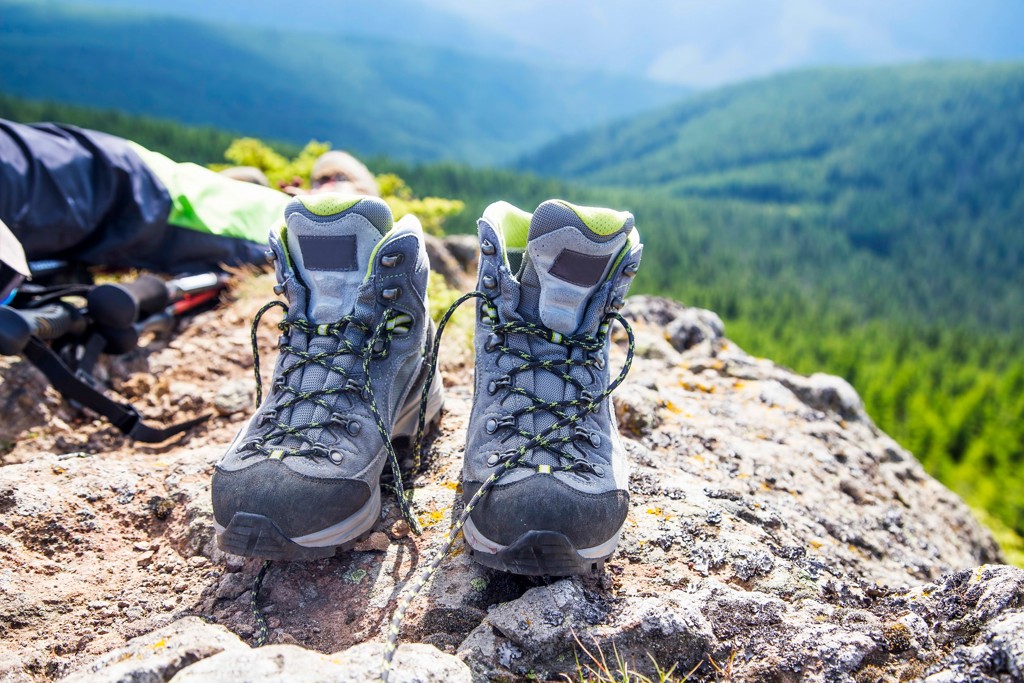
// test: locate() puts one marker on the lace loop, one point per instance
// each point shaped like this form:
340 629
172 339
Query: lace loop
374 346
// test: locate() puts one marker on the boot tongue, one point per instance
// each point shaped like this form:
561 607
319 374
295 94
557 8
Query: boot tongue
331 239
569 252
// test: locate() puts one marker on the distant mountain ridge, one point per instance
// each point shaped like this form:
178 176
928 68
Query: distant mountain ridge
919 167
375 97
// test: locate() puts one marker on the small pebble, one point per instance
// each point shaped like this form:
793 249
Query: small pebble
234 397
375 542
400 529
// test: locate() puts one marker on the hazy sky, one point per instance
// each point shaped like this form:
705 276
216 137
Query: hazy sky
691 42
707 42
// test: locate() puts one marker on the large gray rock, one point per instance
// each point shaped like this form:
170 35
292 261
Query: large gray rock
413 663
293 664
693 326
159 655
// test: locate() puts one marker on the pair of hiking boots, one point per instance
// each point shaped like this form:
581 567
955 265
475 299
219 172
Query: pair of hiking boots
544 475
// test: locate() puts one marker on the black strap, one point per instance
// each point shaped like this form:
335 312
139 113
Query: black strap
122 415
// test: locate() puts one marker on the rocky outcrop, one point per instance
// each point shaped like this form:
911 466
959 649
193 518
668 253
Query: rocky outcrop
775 533
190 650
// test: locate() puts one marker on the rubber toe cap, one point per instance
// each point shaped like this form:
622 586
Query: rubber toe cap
544 503
297 503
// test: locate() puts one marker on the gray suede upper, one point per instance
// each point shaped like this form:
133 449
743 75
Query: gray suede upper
331 484
587 507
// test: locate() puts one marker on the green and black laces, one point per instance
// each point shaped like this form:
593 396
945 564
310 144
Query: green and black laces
546 439
376 344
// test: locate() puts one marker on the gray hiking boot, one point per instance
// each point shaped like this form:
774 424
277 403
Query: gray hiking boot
302 478
542 434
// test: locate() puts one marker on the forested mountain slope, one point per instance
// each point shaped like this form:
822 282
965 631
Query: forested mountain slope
908 178
366 94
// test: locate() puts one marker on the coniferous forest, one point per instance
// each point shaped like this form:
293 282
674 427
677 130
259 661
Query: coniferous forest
868 223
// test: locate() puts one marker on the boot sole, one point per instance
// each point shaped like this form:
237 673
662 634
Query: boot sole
538 553
254 535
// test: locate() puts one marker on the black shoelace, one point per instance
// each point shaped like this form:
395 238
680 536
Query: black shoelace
376 345
545 439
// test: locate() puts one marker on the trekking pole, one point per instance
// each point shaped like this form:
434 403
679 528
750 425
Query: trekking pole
122 304
112 324
48 323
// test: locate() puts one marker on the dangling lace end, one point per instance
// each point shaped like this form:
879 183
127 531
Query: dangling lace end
396 470
421 422
262 632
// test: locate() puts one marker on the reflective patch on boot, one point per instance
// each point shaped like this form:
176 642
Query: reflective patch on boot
579 269
322 252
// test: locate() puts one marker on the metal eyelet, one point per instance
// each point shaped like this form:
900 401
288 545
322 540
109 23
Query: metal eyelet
495 459
631 269
507 421
617 303
271 256
487 247
279 288
595 439
494 385
494 340
335 457
391 293
391 260
597 469
489 281
353 428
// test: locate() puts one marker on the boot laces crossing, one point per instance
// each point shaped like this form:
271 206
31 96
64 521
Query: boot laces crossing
375 347
377 342
569 413
588 356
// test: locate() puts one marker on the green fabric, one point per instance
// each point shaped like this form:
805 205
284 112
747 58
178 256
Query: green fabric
632 242
512 223
328 204
601 221
209 202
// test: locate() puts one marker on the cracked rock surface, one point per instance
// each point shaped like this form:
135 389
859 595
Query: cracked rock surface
775 533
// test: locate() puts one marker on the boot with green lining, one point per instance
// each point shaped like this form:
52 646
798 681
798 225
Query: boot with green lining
544 475
302 478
